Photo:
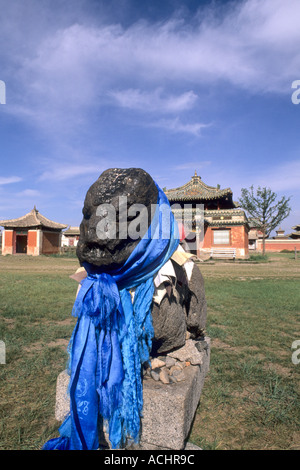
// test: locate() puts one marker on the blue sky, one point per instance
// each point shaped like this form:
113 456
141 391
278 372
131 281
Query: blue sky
166 85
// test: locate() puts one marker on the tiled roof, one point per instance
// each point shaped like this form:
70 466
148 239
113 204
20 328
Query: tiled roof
32 219
294 235
217 223
72 231
195 189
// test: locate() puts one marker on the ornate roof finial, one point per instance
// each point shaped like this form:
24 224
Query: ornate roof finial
195 173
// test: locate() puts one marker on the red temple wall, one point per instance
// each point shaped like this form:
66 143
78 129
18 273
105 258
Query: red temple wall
238 239
278 246
32 243
9 239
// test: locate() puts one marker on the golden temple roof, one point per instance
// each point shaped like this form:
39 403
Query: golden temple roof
196 189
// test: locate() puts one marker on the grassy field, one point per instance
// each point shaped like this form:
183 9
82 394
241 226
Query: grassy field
250 398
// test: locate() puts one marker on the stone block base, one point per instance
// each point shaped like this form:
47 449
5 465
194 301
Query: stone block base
168 410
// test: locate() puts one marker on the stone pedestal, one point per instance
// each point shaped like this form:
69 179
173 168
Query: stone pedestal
168 410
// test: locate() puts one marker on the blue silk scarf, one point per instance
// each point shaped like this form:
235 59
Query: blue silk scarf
112 339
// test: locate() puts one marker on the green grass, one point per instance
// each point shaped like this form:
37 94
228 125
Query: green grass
250 398
35 324
258 257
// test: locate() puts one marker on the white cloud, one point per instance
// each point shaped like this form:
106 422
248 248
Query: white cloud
154 101
9 179
176 126
30 193
66 71
253 45
69 171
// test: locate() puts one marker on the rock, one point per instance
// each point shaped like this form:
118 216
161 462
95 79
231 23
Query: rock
176 372
195 304
188 352
113 251
201 345
182 314
170 361
157 363
155 374
180 364
172 379
169 326
164 376
162 358
191 446
174 369
179 375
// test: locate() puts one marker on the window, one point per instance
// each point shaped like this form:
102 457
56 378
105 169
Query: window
221 237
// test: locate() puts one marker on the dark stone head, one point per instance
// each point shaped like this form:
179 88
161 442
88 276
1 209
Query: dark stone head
116 189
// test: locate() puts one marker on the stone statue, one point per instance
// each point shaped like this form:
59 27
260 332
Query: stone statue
137 292
179 309
133 184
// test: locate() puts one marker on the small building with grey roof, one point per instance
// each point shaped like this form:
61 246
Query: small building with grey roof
31 234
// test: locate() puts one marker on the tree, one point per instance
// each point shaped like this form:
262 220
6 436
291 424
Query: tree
262 205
